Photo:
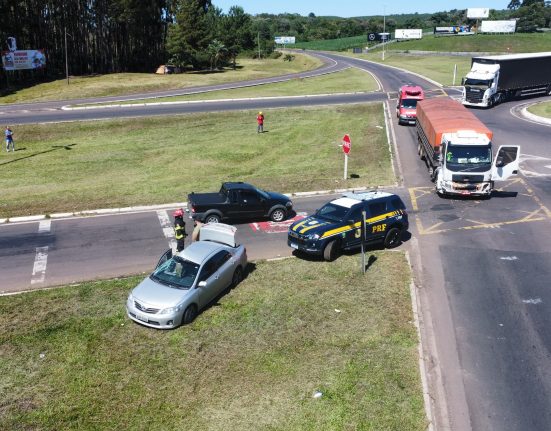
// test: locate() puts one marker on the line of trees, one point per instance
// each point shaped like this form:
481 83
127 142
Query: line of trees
106 36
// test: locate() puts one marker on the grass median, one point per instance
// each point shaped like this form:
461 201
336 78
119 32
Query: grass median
128 83
351 80
543 109
71 359
88 165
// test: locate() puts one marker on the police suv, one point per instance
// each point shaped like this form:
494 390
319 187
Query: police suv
336 226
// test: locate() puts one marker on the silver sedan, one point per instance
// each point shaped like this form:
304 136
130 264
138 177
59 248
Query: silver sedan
183 284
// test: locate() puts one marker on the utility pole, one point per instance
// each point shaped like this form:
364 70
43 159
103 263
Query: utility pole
66 59
258 37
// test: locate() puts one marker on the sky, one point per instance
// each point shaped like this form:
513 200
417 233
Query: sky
351 8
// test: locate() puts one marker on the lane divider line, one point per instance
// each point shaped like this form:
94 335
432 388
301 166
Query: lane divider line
168 230
44 226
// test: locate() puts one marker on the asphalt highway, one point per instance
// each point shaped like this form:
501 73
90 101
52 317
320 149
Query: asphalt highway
481 266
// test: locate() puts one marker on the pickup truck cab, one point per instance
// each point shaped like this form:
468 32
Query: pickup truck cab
337 225
406 108
238 200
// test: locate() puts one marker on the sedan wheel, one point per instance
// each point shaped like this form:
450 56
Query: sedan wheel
237 277
190 314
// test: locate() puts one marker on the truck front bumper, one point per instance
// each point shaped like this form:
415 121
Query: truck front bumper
464 189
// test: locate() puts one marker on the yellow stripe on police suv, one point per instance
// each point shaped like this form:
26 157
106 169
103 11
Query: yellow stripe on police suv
357 225
299 224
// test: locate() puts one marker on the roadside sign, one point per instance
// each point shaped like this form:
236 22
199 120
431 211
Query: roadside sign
346 144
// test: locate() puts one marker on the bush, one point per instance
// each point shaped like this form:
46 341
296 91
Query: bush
276 54
288 57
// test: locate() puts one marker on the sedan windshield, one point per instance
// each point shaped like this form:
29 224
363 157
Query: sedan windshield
177 273
332 212
468 156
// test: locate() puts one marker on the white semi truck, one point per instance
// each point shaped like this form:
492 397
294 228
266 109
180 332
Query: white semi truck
496 78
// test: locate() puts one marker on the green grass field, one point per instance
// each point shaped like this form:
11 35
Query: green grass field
347 81
543 109
71 359
87 165
502 43
519 42
129 83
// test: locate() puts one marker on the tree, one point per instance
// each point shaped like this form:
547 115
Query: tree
236 32
193 31
514 4
530 18
217 51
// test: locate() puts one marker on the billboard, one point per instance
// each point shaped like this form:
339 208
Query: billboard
508 26
478 12
456 29
284 40
378 37
24 59
409 33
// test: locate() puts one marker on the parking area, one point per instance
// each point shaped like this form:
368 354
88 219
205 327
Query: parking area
513 202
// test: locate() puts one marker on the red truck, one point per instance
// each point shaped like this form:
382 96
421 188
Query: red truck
406 108
457 148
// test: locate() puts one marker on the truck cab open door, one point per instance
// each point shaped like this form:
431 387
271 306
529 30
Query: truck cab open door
506 162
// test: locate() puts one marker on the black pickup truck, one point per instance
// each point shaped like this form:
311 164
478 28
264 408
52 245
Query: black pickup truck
237 200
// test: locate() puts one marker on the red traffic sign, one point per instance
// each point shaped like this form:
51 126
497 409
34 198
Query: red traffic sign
346 144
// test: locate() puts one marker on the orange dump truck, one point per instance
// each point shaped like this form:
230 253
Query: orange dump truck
457 149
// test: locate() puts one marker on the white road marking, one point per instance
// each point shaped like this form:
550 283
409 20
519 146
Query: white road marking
168 230
509 258
533 301
547 166
39 268
41 257
44 226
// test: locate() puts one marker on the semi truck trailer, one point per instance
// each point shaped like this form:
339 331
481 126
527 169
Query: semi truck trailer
497 78
457 149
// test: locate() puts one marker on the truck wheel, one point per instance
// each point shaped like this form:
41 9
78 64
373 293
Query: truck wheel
212 218
393 238
277 215
432 174
331 251
420 151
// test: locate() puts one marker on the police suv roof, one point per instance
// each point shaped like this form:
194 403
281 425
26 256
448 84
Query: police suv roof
350 199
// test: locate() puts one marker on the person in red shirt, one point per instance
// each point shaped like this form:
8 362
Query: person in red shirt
260 121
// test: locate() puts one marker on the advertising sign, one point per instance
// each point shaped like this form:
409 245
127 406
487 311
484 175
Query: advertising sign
285 40
456 29
378 37
25 59
478 12
508 26
409 33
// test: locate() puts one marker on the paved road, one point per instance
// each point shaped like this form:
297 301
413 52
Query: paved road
482 272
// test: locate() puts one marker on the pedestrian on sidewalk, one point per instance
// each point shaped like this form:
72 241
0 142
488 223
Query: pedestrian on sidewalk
260 121
179 229
9 139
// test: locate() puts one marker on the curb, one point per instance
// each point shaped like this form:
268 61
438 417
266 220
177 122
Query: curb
533 117
145 208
